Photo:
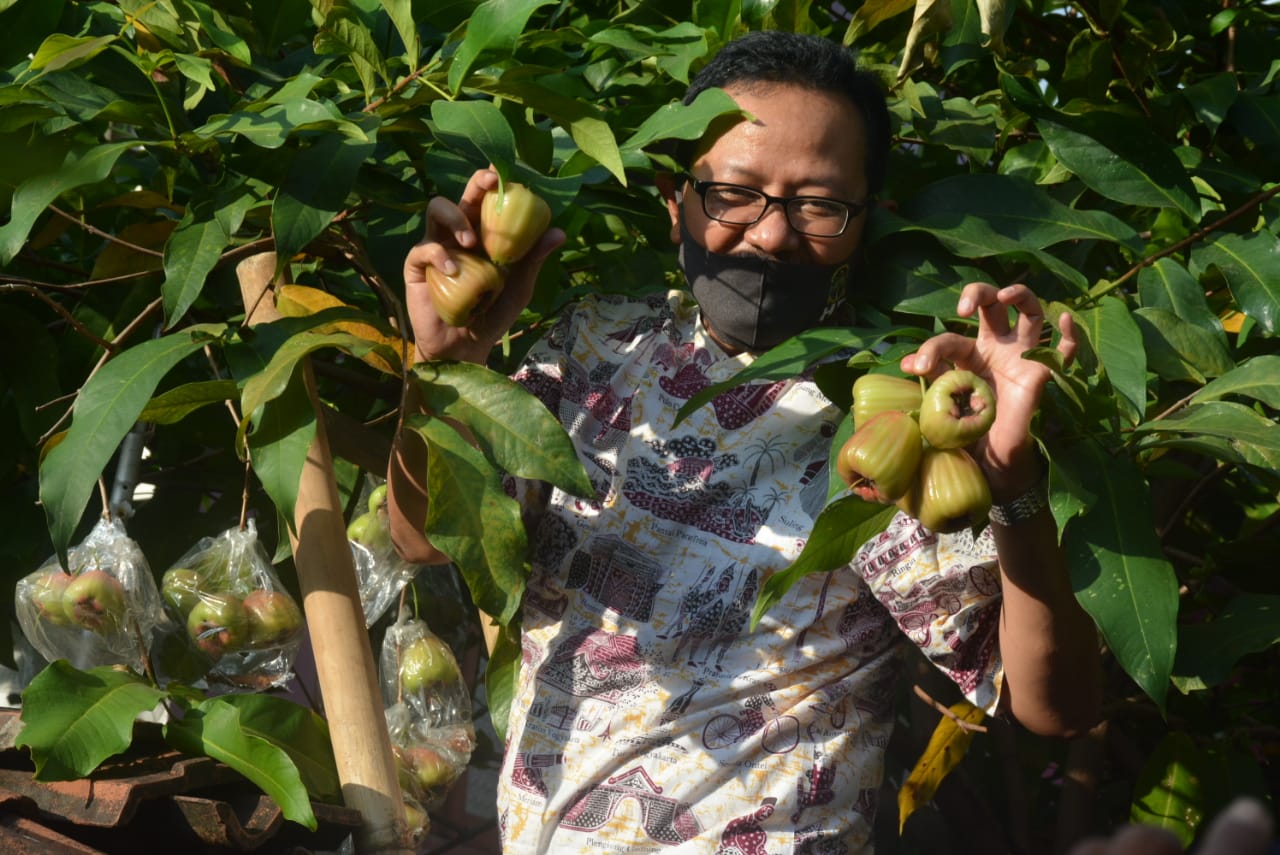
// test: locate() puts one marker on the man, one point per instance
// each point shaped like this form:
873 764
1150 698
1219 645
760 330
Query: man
648 714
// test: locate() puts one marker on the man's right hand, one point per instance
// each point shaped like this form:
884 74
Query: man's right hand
451 227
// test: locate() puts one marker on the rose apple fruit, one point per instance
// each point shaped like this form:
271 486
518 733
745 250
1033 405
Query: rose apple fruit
273 618
45 591
511 221
950 493
429 768
95 600
180 589
460 297
879 461
878 393
218 624
377 498
957 409
424 661
371 531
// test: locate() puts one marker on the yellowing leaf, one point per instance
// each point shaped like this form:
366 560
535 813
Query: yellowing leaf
298 301
946 749
123 258
1232 321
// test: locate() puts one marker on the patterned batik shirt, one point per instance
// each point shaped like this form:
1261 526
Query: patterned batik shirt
649 716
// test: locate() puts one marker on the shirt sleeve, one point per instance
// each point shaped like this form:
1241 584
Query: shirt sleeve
943 591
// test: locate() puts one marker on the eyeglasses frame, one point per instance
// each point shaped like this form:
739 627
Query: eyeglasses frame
701 187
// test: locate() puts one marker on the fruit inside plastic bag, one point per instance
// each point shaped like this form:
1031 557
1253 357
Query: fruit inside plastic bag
380 571
428 710
100 611
236 622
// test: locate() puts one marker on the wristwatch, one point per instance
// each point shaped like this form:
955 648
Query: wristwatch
1022 508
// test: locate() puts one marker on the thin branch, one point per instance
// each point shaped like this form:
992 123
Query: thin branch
102 360
1197 235
107 236
61 310
959 722
1196 489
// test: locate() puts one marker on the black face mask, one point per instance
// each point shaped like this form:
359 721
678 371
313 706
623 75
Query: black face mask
754 303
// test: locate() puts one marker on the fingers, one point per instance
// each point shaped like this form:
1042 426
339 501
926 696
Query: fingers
1131 840
1068 343
938 354
1244 828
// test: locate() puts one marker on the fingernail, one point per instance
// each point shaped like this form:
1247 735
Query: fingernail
965 306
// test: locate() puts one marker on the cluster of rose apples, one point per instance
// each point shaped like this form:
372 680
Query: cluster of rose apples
226 595
909 443
428 709
512 219
381 573
96 612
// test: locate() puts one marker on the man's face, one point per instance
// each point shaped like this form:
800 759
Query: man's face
801 142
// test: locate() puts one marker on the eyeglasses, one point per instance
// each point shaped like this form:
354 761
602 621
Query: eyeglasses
735 205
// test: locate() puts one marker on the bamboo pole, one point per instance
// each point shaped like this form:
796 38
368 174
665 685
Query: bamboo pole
345 666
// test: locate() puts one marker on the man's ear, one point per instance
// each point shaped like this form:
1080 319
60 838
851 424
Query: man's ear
666 184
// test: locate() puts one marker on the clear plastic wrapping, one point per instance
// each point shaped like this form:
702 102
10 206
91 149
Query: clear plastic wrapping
100 611
428 709
242 626
380 571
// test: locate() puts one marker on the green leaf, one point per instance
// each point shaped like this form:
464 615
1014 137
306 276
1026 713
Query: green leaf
1251 265
476 127
1179 350
1169 792
1115 156
60 52
1118 568
73 720
1248 624
512 428
681 122
839 531
344 33
213 728
589 131
271 381
272 127
173 406
1246 436
471 519
299 732
1117 340
495 25
1257 378
501 676
213 25
1166 284
281 440
315 189
1013 208
196 246
790 359
105 410
401 14
37 192
873 12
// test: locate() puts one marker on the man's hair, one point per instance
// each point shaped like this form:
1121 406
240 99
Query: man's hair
813 62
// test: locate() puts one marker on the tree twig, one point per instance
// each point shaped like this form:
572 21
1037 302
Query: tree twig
959 722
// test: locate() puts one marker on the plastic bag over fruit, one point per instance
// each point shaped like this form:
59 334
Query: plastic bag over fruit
428 708
235 622
100 611
380 571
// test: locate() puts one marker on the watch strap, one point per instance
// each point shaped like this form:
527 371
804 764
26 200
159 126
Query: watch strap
1022 508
